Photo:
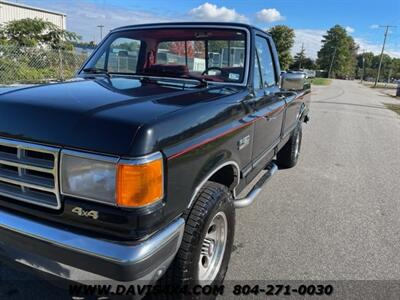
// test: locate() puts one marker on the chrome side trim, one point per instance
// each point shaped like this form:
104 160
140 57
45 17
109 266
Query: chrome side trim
107 250
203 182
255 191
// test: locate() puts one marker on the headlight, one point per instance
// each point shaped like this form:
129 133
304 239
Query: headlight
127 183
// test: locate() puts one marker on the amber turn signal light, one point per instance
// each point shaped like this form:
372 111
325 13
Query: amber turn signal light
139 184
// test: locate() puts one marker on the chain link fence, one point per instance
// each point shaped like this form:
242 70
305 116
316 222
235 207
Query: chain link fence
37 65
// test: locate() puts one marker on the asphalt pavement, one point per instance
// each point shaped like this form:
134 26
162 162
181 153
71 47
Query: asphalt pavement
335 216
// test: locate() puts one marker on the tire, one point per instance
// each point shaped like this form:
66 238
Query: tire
288 156
213 206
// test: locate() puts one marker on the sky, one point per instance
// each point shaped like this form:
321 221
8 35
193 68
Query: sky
309 18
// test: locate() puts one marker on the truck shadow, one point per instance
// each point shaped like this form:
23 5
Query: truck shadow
350 104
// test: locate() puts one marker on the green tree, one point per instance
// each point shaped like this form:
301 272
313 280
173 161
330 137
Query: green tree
387 68
390 66
3 39
88 45
309 64
36 32
338 47
301 61
396 68
306 63
131 46
368 58
283 37
365 68
299 58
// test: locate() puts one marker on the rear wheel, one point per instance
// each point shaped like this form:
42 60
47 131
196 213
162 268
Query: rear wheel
206 247
288 156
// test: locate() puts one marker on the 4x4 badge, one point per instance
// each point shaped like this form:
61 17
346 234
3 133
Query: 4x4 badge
85 213
243 142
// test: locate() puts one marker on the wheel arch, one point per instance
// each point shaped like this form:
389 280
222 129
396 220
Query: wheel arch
226 173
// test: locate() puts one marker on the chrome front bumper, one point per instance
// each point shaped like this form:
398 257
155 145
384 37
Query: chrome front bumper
85 259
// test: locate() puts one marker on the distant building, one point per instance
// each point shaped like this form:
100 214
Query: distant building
10 11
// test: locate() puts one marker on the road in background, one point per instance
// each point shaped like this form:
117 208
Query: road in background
336 215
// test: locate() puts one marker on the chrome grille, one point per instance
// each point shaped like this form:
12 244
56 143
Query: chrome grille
29 173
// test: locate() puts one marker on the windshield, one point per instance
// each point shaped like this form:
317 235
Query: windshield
215 55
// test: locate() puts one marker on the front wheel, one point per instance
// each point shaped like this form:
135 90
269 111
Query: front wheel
206 247
288 156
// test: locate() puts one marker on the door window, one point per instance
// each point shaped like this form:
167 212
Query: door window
266 61
257 79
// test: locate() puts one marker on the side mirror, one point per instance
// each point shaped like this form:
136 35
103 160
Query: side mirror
294 81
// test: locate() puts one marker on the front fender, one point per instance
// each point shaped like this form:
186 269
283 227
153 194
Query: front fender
211 167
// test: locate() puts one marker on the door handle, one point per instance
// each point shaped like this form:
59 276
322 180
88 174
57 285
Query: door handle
281 97
272 115
267 118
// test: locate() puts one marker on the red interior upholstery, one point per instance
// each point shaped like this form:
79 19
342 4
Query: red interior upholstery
182 70
169 70
211 78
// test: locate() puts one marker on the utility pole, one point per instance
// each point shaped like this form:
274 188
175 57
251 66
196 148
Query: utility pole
101 32
333 59
383 48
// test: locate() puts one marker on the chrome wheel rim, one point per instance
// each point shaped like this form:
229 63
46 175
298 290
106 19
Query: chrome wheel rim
213 248
297 145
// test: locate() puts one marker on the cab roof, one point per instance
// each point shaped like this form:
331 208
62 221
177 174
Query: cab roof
172 24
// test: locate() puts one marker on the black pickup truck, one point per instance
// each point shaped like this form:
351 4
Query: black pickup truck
132 170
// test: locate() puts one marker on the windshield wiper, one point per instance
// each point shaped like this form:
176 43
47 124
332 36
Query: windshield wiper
155 79
203 82
96 71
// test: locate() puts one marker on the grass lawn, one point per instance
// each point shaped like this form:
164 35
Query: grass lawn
394 107
321 81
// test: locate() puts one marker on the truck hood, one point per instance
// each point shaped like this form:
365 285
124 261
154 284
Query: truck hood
101 115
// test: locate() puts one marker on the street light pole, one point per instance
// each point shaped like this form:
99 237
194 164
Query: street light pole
383 48
101 31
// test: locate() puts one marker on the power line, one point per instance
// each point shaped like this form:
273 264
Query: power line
383 49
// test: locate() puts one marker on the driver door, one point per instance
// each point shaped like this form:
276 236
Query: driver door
269 106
